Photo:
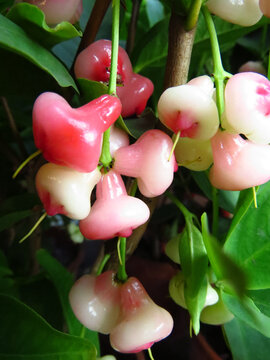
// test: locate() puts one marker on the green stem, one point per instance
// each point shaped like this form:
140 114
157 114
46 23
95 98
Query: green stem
268 72
220 75
193 15
105 157
121 273
215 211
186 213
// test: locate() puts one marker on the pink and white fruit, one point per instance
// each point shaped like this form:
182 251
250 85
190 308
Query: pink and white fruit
94 63
57 11
114 213
72 137
265 7
141 323
147 160
240 12
95 301
190 109
65 191
118 139
176 290
247 106
194 154
253 66
238 164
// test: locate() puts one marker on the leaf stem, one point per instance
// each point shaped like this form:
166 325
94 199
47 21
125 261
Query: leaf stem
215 211
43 216
220 75
193 14
103 263
105 157
23 164
121 273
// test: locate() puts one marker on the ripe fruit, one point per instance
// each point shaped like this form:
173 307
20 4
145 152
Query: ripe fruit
238 163
95 301
72 137
94 63
65 191
247 106
57 11
190 109
147 160
141 321
114 213
253 66
118 139
243 12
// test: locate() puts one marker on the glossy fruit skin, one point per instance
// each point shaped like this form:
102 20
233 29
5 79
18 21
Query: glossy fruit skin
147 160
190 109
238 164
57 11
65 191
247 106
141 322
114 213
94 63
72 137
95 301
241 12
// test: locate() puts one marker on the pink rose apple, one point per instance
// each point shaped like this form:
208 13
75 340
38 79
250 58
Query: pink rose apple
72 137
114 213
141 323
65 191
95 301
118 139
147 160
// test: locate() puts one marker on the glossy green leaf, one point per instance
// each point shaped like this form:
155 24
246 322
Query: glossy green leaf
227 271
63 281
32 20
261 299
194 263
26 335
91 90
14 39
248 241
139 125
247 311
245 342
8 220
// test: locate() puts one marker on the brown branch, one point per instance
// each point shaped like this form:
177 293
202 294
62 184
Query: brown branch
14 128
99 10
133 26
179 52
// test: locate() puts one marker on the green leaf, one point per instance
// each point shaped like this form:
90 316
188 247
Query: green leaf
26 335
194 263
245 342
32 20
14 39
137 126
63 281
261 299
6 221
247 311
248 240
227 271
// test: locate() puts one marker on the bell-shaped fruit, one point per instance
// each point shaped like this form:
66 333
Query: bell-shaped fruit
95 301
141 323
190 109
65 191
57 11
114 213
265 7
238 164
94 63
194 154
72 137
176 290
148 161
247 106
118 139
240 12
216 314
253 66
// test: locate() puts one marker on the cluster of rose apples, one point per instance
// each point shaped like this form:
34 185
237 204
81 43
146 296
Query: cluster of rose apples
239 151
